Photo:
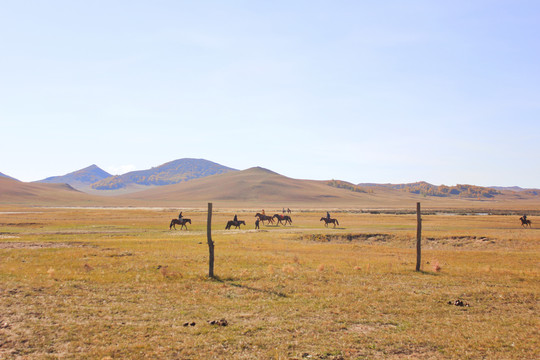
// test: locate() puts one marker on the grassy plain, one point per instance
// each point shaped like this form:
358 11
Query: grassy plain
108 283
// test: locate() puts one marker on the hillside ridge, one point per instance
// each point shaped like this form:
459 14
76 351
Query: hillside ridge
85 176
7 176
172 172
426 189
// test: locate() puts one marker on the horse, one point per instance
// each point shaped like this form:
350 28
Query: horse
329 221
235 224
281 218
264 218
525 223
182 222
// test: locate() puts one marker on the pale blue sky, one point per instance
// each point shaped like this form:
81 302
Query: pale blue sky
364 91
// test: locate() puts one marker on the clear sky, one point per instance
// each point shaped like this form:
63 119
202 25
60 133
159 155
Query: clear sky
363 91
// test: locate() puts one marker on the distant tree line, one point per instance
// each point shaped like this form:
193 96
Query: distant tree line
345 185
468 191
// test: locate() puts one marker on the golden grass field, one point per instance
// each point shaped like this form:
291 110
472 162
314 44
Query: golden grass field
107 283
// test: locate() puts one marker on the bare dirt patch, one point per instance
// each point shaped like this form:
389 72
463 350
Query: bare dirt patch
8 235
375 237
459 241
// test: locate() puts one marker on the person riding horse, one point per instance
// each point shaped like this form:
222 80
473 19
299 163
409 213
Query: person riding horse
525 222
329 221
235 223
328 215
264 218
180 216
181 222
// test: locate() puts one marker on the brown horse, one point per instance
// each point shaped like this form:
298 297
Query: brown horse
264 218
525 222
329 221
236 224
285 218
182 222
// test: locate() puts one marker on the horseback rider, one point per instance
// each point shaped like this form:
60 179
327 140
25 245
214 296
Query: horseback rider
263 212
180 216
328 215
524 217
235 218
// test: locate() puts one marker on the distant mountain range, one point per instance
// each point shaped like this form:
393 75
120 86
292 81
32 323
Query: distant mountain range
172 172
192 182
93 178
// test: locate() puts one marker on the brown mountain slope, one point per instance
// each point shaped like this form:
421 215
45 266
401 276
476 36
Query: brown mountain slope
255 184
14 192
7 176
258 187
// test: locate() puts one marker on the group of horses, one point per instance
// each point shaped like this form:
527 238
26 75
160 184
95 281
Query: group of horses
281 220
284 220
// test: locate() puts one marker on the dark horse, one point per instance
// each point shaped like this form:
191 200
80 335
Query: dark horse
264 218
525 222
285 218
182 222
329 221
236 224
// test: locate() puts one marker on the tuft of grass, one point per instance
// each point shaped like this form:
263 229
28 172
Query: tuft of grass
288 269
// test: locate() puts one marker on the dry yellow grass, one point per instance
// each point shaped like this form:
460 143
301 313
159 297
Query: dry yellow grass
111 283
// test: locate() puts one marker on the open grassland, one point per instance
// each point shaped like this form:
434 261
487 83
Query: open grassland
118 284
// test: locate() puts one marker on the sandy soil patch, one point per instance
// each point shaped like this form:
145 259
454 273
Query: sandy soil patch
8 236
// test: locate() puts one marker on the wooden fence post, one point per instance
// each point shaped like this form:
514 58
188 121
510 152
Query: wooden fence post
210 242
418 237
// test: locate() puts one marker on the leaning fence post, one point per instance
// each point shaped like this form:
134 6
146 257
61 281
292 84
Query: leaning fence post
418 237
210 242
